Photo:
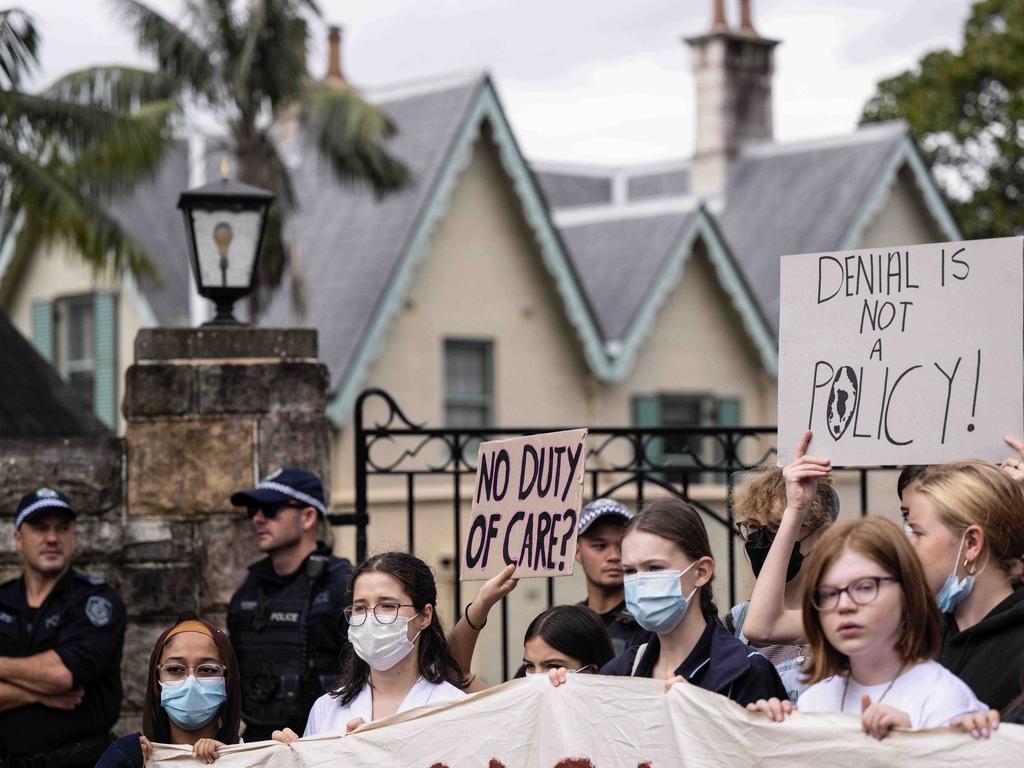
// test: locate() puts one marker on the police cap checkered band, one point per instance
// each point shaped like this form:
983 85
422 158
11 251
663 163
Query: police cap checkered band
33 503
599 508
305 498
283 485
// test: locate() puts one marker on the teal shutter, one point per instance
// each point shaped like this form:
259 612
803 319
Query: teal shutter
728 413
105 376
42 328
647 413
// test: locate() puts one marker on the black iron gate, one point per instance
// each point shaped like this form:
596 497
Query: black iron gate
636 461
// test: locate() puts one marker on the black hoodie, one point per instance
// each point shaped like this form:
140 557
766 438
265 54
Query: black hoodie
989 656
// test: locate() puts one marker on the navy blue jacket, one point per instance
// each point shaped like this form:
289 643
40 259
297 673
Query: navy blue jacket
126 752
719 663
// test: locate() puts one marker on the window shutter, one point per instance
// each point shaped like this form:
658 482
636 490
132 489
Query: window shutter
647 413
105 381
42 328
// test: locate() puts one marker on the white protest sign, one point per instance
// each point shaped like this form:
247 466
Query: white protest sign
526 504
903 355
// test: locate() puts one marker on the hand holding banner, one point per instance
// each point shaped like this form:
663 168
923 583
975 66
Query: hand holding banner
526 504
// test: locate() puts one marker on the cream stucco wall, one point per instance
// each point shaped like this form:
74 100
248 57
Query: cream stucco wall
54 273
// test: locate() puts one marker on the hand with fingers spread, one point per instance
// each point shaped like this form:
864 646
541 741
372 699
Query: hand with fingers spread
1014 465
802 475
776 709
671 680
980 725
354 723
285 736
205 750
878 719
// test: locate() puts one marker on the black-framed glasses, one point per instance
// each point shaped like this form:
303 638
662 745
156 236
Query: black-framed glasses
752 532
270 510
175 672
861 592
384 613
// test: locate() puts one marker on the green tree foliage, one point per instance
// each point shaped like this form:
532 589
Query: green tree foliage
966 111
59 158
246 64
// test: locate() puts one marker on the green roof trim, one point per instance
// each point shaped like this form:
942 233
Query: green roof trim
485 108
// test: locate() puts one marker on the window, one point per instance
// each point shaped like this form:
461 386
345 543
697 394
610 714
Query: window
685 410
76 344
468 383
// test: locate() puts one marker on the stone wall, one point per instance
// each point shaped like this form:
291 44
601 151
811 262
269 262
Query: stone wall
208 412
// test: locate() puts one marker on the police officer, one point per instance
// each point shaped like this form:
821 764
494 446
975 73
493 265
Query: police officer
61 636
283 621
599 551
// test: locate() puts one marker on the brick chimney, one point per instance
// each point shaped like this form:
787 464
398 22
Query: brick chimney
733 70
334 76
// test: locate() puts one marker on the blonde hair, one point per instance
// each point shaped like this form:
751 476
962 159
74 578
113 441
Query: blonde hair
761 499
978 493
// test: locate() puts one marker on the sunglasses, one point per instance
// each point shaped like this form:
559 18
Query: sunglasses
270 510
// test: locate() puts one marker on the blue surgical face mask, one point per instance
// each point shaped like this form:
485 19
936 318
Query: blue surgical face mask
655 599
193 704
955 590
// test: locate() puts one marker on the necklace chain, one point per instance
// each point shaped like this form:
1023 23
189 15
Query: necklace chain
846 687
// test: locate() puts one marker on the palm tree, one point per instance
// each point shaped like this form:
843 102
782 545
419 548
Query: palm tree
59 158
249 69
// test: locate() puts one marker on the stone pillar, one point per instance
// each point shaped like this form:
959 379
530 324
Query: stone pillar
208 412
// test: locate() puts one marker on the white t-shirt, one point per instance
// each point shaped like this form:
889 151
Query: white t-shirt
329 714
928 692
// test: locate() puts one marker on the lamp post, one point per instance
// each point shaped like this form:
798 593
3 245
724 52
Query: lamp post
224 223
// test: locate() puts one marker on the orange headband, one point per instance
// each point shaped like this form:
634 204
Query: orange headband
189 625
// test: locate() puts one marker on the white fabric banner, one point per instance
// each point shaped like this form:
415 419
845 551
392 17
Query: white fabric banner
610 722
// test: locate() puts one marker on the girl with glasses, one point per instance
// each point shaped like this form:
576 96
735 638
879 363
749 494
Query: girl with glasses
873 630
782 514
668 569
193 696
398 658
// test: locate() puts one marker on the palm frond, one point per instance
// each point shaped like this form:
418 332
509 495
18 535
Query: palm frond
118 89
56 212
19 47
178 55
350 134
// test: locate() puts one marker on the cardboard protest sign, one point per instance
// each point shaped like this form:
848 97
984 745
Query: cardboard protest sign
903 355
597 721
526 504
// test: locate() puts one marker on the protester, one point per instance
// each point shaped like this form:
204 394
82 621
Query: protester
782 513
570 637
873 629
61 636
398 658
283 619
599 552
669 568
193 696
966 523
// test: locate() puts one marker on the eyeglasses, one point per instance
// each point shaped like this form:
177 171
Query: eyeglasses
270 510
861 592
385 613
176 673
752 532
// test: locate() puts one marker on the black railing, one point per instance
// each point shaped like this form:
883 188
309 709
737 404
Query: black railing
631 460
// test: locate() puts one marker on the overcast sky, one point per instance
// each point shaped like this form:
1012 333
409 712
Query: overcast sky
604 81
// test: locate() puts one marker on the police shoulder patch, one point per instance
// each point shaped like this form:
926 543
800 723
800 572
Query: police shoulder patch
99 610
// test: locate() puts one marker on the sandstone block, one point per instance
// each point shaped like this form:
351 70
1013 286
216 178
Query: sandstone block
153 593
295 440
160 390
225 343
188 467
227 548
258 388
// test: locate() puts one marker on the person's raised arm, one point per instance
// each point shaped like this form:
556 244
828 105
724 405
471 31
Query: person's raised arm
462 639
768 620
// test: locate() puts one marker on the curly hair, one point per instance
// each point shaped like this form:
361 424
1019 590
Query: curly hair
761 498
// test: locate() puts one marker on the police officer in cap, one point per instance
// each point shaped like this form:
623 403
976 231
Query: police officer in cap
599 551
61 636
283 621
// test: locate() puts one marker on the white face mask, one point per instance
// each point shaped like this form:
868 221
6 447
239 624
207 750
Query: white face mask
382 646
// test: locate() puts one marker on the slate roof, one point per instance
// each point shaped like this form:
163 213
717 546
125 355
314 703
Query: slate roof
34 400
351 244
618 262
566 190
800 198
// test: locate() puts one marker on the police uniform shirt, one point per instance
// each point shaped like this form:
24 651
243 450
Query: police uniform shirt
83 620
267 619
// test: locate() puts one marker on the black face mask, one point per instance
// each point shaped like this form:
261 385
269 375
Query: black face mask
757 547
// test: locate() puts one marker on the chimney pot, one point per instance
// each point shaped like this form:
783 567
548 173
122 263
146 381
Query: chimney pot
746 19
718 22
334 74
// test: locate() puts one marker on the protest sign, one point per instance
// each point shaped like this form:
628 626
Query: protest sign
594 721
526 504
903 355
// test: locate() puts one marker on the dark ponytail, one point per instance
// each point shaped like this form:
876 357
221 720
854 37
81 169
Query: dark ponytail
675 520
435 658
